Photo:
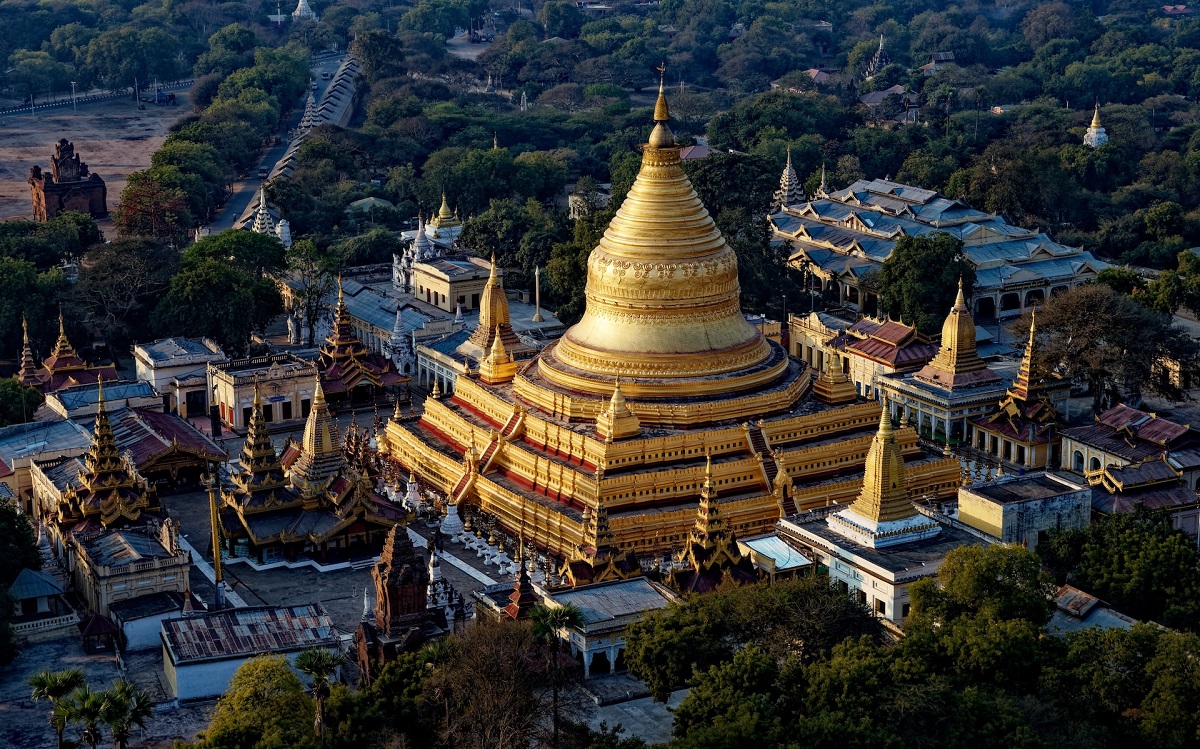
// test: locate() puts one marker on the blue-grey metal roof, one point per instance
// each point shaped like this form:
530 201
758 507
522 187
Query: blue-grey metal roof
33 584
80 396
607 601
35 437
119 547
448 344
778 551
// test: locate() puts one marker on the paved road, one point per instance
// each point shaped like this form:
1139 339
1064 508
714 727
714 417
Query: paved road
246 190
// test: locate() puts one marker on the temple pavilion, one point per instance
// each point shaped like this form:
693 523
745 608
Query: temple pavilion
310 501
1023 428
660 406
62 369
954 387
349 370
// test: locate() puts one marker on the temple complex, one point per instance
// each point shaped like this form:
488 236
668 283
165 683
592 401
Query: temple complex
955 386
62 369
68 187
351 372
310 501
844 235
661 405
881 544
1023 429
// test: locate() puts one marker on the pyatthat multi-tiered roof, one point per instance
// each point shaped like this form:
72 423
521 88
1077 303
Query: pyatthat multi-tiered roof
617 419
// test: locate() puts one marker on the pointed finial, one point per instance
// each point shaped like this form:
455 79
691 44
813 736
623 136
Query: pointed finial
318 393
100 392
789 156
1096 115
257 400
708 467
885 418
341 296
822 188
495 142
25 330
62 331
661 112
960 302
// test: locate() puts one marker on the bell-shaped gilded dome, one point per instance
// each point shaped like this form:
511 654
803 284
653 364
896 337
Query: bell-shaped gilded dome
662 291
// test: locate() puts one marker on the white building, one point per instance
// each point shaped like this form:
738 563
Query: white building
1095 135
177 368
202 653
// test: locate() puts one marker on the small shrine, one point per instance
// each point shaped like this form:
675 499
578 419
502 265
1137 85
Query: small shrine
68 186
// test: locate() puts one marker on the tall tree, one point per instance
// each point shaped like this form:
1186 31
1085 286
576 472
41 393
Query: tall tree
54 686
119 284
315 273
264 706
17 404
221 301
1112 343
125 706
550 624
151 209
319 666
86 707
919 280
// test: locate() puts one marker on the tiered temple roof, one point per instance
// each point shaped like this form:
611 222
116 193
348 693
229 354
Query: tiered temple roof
345 361
108 492
1026 414
318 496
790 190
63 368
957 363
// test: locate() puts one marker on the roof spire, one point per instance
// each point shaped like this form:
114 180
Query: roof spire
960 302
661 136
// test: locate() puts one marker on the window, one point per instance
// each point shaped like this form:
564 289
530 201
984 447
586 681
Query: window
286 408
881 607
1094 464
305 406
269 413
862 596
1077 461
246 413
904 610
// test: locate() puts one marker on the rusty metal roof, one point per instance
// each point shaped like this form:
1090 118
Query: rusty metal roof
241 633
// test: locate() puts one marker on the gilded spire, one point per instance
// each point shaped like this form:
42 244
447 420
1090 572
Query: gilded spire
24 331
661 136
260 466
884 495
444 212
1096 117
617 421
320 445
663 299
493 313
62 347
957 363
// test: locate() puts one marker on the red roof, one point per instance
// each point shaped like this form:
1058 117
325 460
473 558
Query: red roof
1145 426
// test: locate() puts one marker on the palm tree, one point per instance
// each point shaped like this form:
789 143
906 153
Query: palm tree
125 706
548 623
54 686
86 707
318 665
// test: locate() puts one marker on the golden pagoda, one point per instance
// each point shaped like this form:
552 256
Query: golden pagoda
349 368
834 385
712 554
884 514
1023 427
445 223
661 387
957 362
109 491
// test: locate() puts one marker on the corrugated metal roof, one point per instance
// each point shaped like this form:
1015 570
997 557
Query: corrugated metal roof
239 633
32 438
81 396
607 601
778 551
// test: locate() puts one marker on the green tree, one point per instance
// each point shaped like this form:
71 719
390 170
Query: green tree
17 404
380 53
218 300
264 706
86 707
252 252
319 666
55 686
37 73
919 280
1124 280
997 582
124 707
549 626
561 19
1136 562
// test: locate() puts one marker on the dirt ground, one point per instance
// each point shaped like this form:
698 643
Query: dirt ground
113 137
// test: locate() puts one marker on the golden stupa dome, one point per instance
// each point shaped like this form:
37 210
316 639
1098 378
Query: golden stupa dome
663 299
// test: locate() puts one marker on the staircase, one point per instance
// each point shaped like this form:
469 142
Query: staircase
485 460
758 441
512 425
459 488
